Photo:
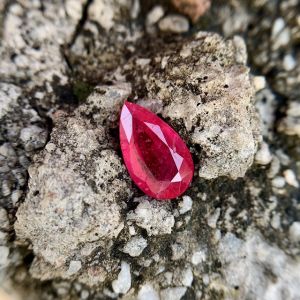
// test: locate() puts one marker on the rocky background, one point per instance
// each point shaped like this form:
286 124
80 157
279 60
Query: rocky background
225 75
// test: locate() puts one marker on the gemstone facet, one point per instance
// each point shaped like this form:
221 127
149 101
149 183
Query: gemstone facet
157 159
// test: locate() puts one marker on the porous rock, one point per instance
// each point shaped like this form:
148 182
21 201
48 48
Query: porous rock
135 246
205 87
154 216
257 256
74 201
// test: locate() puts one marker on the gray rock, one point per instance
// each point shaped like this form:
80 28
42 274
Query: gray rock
135 246
4 253
9 94
123 283
155 15
147 292
75 190
185 205
154 216
256 256
33 137
74 267
174 23
104 103
175 293
294 232
78 187
215 105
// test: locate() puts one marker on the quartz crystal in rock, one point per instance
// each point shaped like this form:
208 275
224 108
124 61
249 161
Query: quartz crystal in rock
156 157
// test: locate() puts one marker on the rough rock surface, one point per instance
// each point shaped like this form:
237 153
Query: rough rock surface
72 224
76 192
207 87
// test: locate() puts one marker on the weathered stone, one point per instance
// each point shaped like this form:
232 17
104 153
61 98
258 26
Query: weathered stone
205 87
255 255
75 190
154 216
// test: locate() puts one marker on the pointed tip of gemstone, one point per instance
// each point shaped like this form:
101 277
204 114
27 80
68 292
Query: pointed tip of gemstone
156 157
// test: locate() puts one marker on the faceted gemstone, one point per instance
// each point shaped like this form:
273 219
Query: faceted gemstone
157 159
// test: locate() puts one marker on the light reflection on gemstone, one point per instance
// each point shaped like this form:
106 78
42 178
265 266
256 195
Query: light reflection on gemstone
126 121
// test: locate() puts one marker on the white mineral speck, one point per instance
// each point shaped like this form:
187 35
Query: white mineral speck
274 167
123 283
213 218
74 267
185 205
290 178
259 83
175 293
147 292
289 62
280 34
263 155
198 257
84 294
135 246
278 26
275 221
278 182
174 23
155 15
164 61
187 277
132 230
4 252
294 232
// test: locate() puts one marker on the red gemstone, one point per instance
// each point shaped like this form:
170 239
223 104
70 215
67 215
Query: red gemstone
157 159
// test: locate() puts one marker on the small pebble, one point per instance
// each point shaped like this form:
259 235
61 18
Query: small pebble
123 283
193 8
174 23
280 34
278 182
147 292
185 205
135 246
187 277
274 167
156 13
259 83
294 232
290 178
263 155
275 221
175 293
289 62
4 252
198 257
84 294
132 230
74 267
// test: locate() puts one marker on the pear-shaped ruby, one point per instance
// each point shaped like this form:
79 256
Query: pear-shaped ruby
157 159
